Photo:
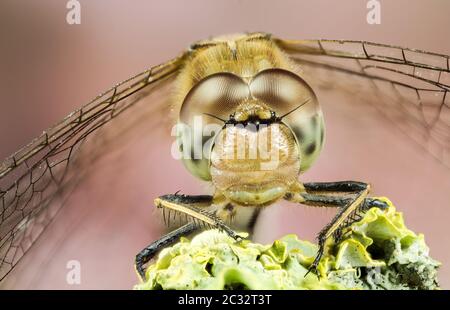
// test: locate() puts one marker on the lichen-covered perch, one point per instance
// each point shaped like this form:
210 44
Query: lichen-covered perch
377 252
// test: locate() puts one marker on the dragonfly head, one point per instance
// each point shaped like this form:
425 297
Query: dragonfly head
250 136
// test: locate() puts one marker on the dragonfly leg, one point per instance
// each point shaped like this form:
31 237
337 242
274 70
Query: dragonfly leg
317 200
194 208
350 207
196 216
144 256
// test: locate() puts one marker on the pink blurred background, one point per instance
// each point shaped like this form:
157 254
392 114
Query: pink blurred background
49 68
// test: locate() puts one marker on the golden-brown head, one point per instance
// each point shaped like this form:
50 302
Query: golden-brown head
259 122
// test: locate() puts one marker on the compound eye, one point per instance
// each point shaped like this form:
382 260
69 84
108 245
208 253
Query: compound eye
283 91
218 94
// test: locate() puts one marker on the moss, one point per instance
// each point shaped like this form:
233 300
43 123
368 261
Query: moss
378 252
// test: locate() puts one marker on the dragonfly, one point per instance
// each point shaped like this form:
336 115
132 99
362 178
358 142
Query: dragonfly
413 85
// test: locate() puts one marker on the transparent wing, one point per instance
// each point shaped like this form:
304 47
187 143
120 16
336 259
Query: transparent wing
410 87
36 180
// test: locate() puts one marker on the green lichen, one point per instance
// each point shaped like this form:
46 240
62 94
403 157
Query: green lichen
378 252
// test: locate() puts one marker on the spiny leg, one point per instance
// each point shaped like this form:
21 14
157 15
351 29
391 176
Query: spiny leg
316 200
311 194
144 256
349 207
338 221
193 207
312 198
340 186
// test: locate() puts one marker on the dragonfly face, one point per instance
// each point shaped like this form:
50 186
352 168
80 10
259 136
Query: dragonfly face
251 87
270 125
255 178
